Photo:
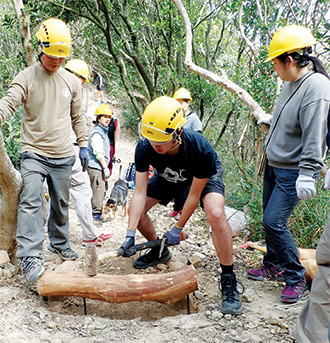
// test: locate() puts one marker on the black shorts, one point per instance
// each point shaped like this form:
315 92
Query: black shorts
160 189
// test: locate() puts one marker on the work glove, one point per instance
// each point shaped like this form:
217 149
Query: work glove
128 242
83 155
327 179
173 236
267 119
106 172
305 187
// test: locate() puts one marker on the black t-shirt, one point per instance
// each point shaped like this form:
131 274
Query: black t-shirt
195 158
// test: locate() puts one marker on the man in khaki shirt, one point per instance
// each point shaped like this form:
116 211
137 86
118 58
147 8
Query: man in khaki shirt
51 98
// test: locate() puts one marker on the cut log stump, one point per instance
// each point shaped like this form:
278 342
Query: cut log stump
311 269
165 288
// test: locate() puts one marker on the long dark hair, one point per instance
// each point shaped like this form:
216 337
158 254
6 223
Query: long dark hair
303 60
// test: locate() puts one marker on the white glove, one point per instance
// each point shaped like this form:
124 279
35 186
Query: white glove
267 119
106 172
327 179
305 186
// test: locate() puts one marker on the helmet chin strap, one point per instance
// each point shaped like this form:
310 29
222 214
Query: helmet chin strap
178 142
39 56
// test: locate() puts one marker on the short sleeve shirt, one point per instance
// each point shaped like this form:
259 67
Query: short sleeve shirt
195 158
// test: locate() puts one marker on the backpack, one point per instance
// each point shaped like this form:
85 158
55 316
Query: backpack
129 175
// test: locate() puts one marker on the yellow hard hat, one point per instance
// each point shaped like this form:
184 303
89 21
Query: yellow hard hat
162 119
182 93
103 110
54 38
79 68
288 39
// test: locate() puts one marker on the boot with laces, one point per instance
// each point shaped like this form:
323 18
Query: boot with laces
291 294
231 299
33 268
65 254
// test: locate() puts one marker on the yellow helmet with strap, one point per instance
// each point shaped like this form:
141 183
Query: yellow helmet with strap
289 39
103 110
162 119
79 68
54 38
182 93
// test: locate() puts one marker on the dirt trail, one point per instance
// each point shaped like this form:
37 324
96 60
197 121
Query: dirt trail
27 317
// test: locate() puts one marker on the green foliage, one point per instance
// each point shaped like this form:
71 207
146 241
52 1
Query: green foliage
11 134
139 46
309 218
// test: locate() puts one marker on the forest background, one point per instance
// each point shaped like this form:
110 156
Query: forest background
139 46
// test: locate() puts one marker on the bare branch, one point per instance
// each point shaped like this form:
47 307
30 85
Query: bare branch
241 29
222 80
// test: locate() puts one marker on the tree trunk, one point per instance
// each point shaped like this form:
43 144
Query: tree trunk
24 25
164 288
11 185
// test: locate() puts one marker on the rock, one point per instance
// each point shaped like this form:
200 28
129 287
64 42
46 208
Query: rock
4 258
196 259
236 220
248 295
217 315
10 270
199 295
175 265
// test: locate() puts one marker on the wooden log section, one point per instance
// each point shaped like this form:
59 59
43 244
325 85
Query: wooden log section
165 288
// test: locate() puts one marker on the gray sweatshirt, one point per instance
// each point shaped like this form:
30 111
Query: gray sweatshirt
298 140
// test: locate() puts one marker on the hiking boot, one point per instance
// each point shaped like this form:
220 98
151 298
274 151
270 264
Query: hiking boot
292 294
152 258
267 271
174 214
99 240
231 300
98 217
33 268
65 254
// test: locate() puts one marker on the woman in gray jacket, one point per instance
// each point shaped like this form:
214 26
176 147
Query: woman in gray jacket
295 147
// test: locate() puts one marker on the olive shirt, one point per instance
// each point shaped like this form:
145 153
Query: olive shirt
51 102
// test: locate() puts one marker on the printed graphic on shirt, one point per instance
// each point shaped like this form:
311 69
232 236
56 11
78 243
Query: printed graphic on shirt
173 176
66 92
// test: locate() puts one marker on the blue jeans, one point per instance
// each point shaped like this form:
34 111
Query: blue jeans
279 200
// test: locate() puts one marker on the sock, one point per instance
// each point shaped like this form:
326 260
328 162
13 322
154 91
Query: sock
227 269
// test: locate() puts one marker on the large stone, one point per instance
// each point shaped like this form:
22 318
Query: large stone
4 258
236 219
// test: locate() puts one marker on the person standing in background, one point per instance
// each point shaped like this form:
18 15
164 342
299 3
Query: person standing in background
100 83
98 159
80 188
193 123
114 138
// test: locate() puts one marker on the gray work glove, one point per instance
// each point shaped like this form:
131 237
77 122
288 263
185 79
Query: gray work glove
173 236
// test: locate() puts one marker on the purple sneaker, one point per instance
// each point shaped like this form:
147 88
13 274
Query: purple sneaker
292 294
267 271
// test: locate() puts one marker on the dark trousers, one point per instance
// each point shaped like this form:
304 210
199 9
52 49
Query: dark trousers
279 200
